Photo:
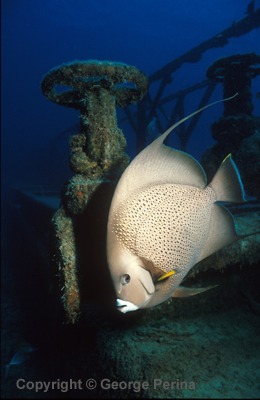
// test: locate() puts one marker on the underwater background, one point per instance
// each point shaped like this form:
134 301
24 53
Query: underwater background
211 342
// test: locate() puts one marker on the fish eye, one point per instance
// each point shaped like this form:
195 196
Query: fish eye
125 279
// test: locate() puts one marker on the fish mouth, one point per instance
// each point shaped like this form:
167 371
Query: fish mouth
125 306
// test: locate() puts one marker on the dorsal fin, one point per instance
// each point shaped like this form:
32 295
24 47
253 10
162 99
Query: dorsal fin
158 164
227 182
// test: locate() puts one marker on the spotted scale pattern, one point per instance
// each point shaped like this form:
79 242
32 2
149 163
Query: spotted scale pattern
166 224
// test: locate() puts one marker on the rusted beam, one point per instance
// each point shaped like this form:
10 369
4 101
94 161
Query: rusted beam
237 29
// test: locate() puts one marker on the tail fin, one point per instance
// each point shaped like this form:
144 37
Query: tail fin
227 183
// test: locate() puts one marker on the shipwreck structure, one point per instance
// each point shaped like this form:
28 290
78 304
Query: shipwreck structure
219 329
238 131
97 150
97 155
168 109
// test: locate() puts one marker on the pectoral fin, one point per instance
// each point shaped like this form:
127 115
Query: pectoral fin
182 291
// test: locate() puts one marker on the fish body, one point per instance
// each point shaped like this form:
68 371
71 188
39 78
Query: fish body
164 218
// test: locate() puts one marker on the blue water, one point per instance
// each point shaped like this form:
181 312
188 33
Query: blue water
38 35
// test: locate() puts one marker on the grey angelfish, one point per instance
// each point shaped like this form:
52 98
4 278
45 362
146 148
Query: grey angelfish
164 218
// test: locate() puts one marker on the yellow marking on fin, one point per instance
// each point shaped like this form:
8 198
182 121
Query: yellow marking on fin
167 275
229 155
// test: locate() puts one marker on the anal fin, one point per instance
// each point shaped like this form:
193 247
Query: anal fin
183 291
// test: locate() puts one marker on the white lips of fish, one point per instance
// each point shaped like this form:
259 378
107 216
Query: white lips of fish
163 219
